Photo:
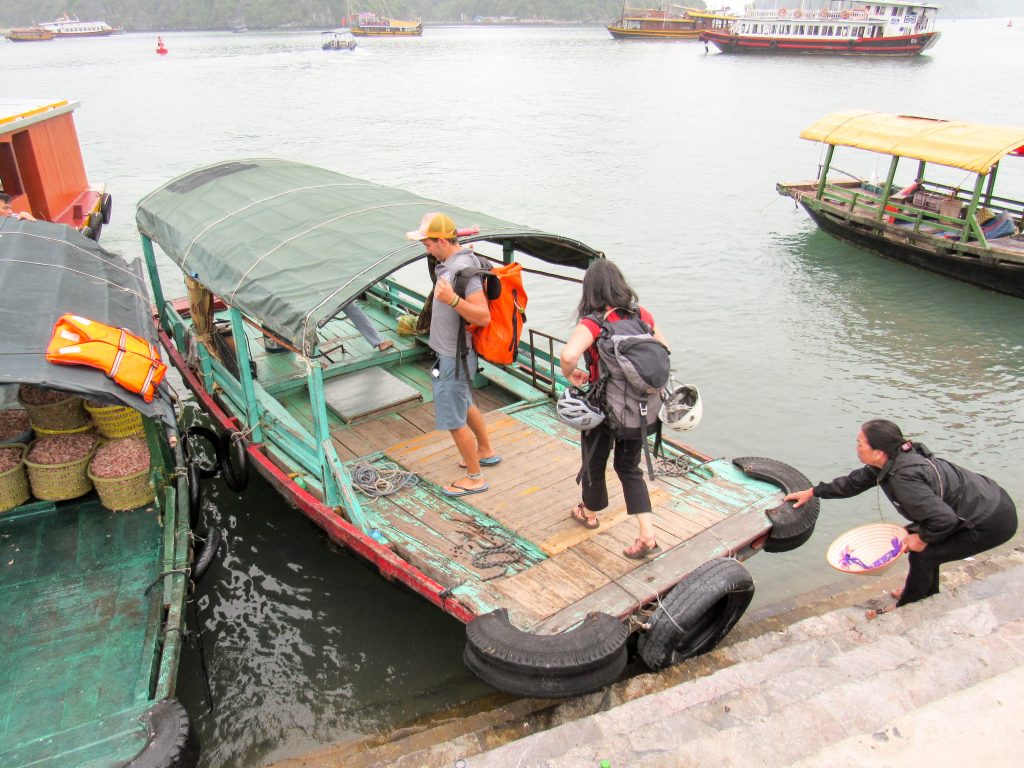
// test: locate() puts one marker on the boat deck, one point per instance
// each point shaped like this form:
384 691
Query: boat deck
79 632
515 546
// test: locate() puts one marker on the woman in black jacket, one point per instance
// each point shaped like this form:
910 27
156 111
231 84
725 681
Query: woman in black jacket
954 513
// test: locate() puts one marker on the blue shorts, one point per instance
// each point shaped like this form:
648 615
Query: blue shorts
452 396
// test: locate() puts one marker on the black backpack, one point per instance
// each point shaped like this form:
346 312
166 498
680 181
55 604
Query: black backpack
633 367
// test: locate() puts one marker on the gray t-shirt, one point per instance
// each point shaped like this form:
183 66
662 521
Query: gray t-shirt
444 322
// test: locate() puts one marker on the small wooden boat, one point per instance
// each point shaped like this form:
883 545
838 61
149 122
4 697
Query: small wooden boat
71 26
29 34
836 27
337 40
276 250
669 22
41 165
973 236
93 600
372 25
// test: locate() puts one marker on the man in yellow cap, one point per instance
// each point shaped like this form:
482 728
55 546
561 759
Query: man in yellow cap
454 408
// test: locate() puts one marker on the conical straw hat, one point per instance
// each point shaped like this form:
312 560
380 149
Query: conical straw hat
867 548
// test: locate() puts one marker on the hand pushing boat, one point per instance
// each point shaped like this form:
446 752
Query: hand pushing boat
273 251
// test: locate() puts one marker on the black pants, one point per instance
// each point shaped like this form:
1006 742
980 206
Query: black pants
596 445
923 578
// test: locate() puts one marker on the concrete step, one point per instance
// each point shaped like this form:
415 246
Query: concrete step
791 681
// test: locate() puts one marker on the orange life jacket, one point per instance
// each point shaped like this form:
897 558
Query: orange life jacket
499 340
132 362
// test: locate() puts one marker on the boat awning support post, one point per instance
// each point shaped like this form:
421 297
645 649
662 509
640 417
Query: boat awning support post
823 173
920 171
508 252
154 281
971 217
887 190
322 432
252 413
991 184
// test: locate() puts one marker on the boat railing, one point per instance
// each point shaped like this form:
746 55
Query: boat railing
807 13
867 202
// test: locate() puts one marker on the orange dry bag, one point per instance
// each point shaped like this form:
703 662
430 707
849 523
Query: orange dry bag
131 361
499 341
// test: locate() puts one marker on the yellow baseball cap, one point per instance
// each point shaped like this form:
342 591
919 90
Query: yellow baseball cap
434 225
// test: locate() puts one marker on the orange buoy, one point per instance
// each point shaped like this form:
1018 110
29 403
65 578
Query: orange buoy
161 49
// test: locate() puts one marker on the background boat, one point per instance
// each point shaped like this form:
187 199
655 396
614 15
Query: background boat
669 22
71 26
29 34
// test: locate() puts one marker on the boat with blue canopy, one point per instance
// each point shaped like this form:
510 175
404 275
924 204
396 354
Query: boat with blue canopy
272 251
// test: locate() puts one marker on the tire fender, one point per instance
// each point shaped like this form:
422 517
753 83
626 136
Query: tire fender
234 464
172 742
203 433
584 659
697 613
94 227
106 207
791 527
195 493
205 553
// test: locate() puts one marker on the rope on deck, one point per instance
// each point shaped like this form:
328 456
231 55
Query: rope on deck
384 479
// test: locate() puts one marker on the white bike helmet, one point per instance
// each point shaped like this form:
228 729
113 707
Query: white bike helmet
575 410
682 409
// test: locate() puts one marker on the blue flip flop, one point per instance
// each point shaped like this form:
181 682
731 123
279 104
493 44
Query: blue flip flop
463 491
490 461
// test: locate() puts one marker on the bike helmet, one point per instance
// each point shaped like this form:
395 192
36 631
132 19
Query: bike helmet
682 408
575 410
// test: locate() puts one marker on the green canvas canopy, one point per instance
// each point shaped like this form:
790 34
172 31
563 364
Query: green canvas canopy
47 270
290 244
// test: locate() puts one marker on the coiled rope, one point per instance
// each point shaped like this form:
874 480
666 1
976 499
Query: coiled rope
384 479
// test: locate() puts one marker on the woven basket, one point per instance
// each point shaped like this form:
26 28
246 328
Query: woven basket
24 439
76 431
13 483
58 482
121 493
64 415
116 421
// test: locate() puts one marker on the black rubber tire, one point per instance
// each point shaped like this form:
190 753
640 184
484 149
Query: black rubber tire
204 433
106 207
193 480
88 232
697 613
590 645
205 554
791 527
172 742
234 464
547 686
95 225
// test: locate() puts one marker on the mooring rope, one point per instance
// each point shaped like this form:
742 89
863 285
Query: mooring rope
384 479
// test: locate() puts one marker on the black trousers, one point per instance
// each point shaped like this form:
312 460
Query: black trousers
923 577
596 445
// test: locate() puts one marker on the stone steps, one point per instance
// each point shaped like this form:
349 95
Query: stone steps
785 687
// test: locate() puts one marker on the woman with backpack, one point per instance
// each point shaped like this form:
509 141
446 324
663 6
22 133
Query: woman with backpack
607 300
954 513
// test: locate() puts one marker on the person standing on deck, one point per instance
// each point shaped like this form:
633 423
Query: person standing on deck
954 513
607 294
454 408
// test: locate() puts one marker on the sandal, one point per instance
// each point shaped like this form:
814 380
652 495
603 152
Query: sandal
579 514
641 549
874 613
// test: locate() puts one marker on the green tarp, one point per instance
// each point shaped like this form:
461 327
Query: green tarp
290 244
47 270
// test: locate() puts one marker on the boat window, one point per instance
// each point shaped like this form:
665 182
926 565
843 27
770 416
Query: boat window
10 178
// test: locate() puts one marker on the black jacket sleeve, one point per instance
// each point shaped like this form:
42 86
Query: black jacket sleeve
849 485
914 497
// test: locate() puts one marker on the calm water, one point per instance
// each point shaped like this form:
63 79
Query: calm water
659 154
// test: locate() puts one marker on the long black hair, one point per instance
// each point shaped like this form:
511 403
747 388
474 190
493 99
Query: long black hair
604 286
883 435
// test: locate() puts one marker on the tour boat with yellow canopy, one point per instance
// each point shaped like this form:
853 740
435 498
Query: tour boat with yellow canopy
372 25
834 27
41 165
668 22
929 221
97 565
273 252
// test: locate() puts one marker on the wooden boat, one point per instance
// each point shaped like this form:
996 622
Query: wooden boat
41 165
278 249
337 40
70 26
29 34
972 236
836 27
371 25
669 22
93 601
